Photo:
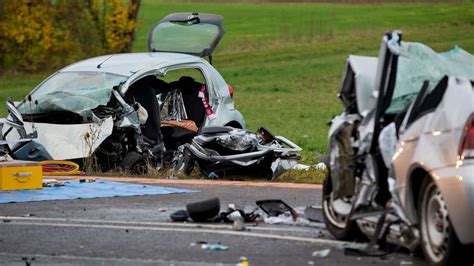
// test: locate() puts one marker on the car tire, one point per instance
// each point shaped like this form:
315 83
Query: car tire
135 163
439 242
340 228
205 210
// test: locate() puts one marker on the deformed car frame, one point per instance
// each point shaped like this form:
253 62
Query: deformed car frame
395 166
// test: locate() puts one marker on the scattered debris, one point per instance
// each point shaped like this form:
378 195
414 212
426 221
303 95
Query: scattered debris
238 220
313 214
243 261
217 247
320 166
302 167
198 243
280 219
86 180
27 260
275 207
48 182
206 245
321 253
179 216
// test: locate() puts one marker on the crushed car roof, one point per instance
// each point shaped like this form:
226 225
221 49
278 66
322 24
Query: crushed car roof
129 63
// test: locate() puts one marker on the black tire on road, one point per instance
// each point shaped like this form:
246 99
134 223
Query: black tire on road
203 210
351 230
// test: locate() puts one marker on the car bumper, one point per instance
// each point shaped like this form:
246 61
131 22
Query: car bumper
457 188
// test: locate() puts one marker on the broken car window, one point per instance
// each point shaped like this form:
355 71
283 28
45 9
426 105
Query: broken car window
418 62
76 92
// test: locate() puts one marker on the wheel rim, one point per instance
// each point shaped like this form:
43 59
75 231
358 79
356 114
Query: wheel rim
434 224
337 211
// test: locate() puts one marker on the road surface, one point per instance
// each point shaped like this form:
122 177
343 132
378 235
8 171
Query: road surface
137 231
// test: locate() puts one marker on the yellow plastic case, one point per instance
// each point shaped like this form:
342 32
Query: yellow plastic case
17 175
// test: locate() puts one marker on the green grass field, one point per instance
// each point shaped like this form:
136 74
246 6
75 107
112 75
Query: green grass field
285 61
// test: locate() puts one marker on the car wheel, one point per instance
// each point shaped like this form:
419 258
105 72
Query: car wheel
336 213
204 210
135 163
439 242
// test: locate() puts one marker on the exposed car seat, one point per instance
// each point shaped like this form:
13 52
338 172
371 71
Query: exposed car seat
192 102
144 92
195 111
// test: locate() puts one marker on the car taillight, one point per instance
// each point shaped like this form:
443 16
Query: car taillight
466 147
231 91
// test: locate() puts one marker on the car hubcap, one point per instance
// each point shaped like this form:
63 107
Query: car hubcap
434 224
337 211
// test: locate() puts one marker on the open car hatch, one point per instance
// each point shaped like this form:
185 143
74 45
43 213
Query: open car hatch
189 33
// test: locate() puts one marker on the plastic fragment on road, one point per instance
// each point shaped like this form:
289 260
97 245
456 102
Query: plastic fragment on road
216 247
321 253
280 219
238 220
243 261
198 243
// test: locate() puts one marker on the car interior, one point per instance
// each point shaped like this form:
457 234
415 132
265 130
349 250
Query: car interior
175 106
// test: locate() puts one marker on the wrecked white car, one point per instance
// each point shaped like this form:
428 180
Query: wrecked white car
401 154
129 108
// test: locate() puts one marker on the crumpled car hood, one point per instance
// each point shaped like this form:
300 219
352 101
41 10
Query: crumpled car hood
64 142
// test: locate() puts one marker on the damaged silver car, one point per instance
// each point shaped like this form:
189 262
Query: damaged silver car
128 109
401 154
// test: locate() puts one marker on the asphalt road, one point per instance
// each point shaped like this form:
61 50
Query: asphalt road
137 231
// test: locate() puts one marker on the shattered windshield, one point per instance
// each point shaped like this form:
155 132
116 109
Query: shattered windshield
418 62
76 92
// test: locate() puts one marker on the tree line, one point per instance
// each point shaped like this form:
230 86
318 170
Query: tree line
39 35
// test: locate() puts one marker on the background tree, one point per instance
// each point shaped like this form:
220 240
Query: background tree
37 35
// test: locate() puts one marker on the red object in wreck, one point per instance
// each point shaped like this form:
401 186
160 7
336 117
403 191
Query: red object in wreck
205 101
231 91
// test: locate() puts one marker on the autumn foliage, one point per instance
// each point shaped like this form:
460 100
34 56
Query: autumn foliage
38 35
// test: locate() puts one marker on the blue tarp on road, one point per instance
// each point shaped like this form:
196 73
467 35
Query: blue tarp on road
76 190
